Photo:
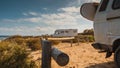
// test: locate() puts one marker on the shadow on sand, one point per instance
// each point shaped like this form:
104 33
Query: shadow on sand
103 65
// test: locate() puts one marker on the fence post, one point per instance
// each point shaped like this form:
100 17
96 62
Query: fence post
61 58
46 54
71 41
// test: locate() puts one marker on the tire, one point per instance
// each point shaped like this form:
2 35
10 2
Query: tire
117 57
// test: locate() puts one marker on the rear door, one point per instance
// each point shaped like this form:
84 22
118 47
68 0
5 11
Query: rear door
113 18
100 24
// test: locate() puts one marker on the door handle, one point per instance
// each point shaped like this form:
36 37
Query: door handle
113 18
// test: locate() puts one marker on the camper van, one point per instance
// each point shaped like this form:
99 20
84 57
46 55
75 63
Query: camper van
65 33
106 18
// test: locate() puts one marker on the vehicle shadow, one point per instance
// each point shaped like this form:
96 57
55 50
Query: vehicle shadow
103 65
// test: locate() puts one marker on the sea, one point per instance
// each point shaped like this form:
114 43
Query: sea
3 37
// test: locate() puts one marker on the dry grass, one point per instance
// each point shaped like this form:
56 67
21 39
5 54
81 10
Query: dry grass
14 56
32 42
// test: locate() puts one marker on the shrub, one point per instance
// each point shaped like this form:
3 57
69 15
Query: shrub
55 42
19 41
88 32
15 36
34 43
84 38
14 56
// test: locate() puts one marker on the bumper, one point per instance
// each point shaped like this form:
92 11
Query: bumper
103 48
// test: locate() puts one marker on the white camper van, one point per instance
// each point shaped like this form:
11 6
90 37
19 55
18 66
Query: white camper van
106 17
65 33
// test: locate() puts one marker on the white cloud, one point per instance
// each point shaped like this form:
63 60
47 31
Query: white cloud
8 20
25 14
80 2
34 19
10 29
68 17
45 8
33 13
84 1
30 13
69 9
24 30
44 29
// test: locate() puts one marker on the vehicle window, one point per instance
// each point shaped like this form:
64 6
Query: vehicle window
66 31
62 31
56 32
75 31
116 4
104 5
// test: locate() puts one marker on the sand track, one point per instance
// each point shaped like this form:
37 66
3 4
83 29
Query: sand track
82 56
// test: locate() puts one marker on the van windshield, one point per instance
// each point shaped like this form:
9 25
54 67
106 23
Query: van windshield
116 4
104 5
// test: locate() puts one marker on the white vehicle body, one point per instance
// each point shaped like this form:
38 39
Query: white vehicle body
106 17
65 33
107 24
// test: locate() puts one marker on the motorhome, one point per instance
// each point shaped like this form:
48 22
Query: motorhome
65 33
106 18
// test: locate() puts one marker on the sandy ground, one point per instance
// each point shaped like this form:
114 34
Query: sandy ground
82 56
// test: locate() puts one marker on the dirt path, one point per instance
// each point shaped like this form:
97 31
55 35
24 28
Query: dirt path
83 56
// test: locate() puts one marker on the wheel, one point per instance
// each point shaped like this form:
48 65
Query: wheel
117 57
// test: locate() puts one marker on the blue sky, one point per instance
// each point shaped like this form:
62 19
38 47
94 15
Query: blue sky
36 17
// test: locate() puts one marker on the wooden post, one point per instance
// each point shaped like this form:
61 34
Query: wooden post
61 58
46 54
71 42
78 40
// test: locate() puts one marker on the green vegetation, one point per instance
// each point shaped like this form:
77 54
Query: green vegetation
87 36
34 43
84 38
87 32
14 56
14 50
55 42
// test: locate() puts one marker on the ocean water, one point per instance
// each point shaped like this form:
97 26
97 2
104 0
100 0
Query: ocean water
3 37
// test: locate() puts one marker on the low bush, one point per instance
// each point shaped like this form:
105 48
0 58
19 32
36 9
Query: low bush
34 43
14 56
84 38
55 42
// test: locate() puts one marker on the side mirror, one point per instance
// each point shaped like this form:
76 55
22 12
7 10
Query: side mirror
88 10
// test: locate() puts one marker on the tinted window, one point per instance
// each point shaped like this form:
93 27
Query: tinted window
104 5
116 4
75 31
62 31
66 31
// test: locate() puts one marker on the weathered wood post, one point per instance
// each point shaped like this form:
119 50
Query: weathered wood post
78 40
46 54
61 58
71 41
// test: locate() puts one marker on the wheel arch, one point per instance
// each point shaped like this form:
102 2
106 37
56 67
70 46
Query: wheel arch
116 44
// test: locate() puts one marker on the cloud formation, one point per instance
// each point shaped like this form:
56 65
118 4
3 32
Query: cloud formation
68 17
